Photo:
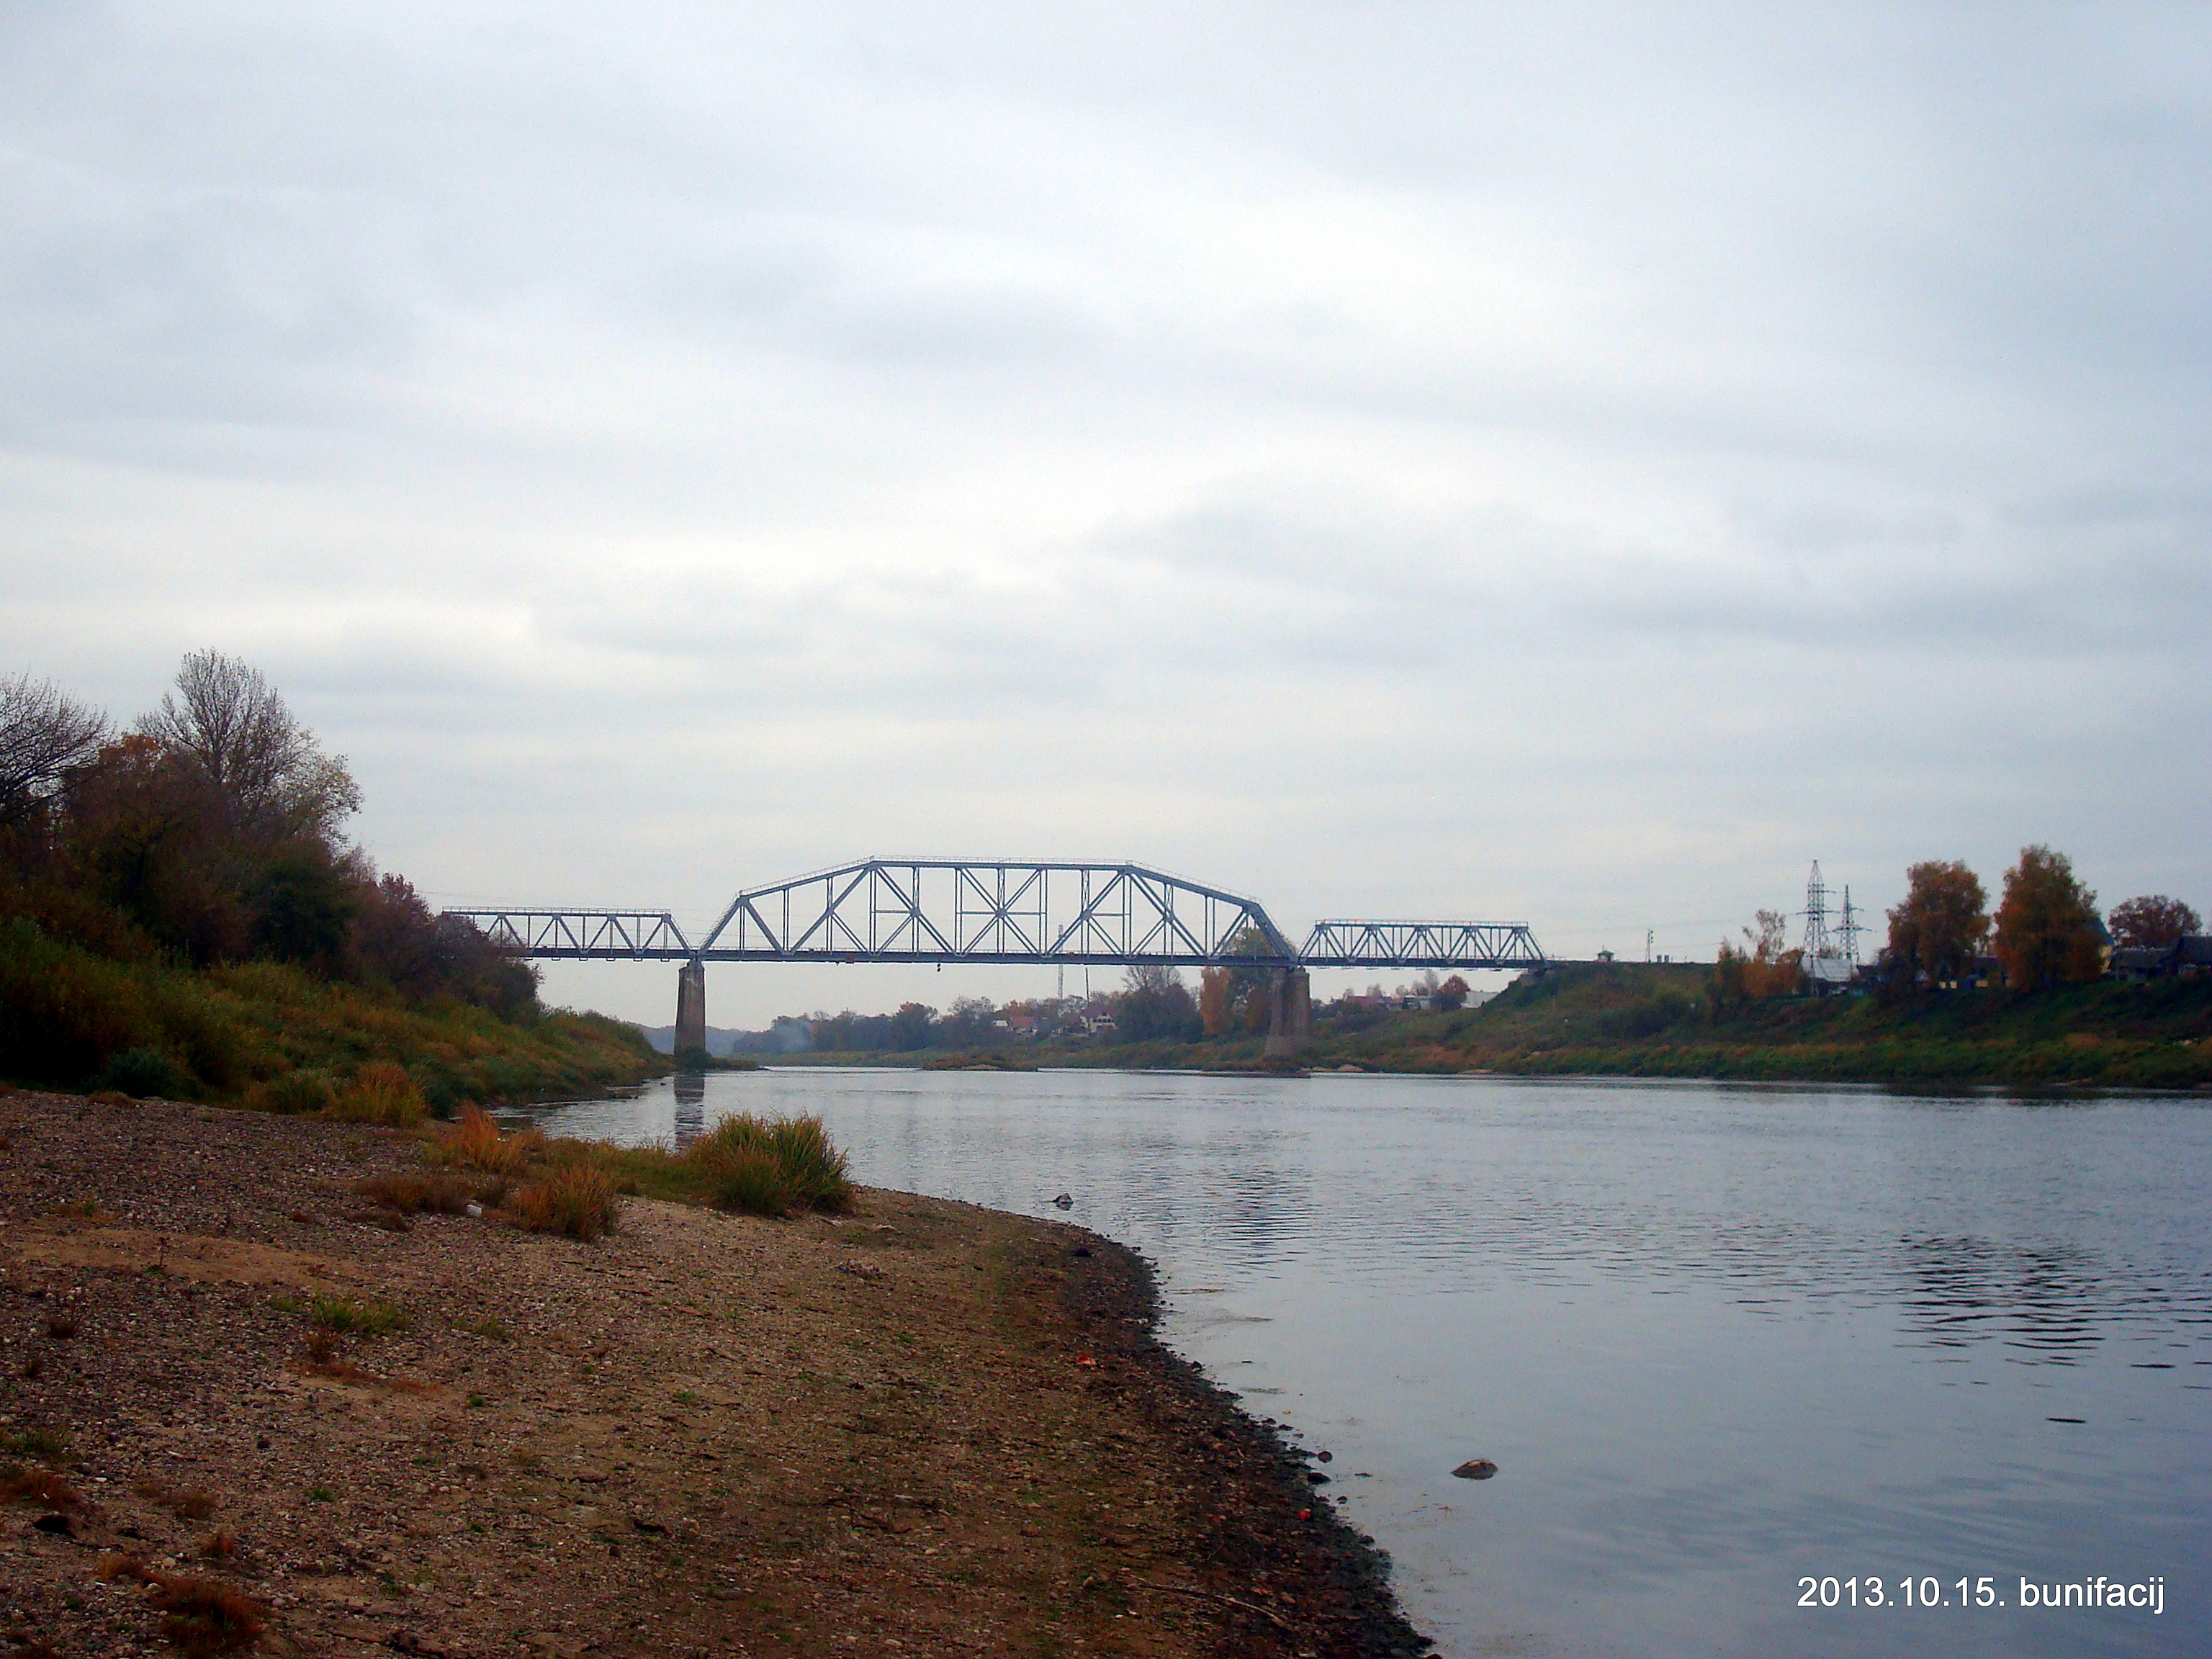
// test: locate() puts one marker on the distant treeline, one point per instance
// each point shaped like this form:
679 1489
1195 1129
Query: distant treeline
1153 1005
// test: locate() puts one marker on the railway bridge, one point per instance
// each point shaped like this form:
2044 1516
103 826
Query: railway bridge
998 911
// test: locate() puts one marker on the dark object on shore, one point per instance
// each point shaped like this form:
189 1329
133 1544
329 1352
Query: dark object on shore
1476 1468
1325 1457
1316 1478
1065 1201
981 1060
58 1524
1081 1250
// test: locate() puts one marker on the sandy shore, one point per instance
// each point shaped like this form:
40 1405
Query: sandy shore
922 1429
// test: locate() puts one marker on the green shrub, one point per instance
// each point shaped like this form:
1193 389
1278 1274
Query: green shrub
141 1072
64 1012
817 1172
297 1093
344 1315
383 1093
769 1168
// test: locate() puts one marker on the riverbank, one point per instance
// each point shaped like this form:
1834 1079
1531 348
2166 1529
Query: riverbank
923 1427
273 1034
1639 1019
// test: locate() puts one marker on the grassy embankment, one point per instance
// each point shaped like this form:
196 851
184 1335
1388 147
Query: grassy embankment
1635 1019
270 1034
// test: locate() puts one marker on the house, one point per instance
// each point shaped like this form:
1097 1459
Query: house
2186 958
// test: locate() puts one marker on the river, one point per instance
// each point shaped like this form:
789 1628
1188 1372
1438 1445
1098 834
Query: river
1724 1343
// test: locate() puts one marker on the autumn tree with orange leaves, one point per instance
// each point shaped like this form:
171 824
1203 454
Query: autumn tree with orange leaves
1934 934
2047 931
2152 922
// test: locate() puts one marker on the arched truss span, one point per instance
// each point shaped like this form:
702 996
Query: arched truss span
970 910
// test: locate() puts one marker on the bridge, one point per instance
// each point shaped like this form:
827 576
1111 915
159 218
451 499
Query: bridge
964 910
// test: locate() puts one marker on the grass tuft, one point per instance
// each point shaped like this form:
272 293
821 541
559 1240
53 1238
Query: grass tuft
575 1199
412 1195
383 1093
296 1093
41 1486
345 1316
475 1142
203 1616
769 1166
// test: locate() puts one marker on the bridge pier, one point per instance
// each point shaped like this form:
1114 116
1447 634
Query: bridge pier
691 1005
1290 1012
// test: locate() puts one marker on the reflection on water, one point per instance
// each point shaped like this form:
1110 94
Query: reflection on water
689 1089
1716 1339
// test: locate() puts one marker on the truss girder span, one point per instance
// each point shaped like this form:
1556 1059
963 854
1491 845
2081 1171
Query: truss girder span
943 910
1356 944
583 935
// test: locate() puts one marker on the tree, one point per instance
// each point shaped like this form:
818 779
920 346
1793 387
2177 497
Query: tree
1453 993
2047 929
1213 1008
2152 922
231 726
1155 1008
909 1027
306 900
1935 931
45 735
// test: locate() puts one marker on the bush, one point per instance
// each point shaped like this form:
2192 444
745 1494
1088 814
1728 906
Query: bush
63 1010
474 1142
413 1195
382 1093
575 1199
769 1168
344 1315
141 1072
296 1093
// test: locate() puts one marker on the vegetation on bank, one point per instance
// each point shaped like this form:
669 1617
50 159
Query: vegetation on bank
1638 1019
180 916
758 1166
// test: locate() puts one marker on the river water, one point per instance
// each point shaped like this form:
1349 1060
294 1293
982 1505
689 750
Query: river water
1720 1340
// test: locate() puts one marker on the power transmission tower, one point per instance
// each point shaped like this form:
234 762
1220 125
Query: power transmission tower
1816 916
1848 930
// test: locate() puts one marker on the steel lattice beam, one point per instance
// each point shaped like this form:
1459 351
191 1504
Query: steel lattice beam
941 911
581 935
987 910
1354 944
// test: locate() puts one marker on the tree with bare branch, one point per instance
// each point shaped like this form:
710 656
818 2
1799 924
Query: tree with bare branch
231 726
45 736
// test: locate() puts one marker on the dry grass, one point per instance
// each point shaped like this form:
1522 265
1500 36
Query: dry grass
576 1199
186 1503
219 1545
61 1327
202 1616
475 1142
383 1093
41 1486
412 1195
49 1443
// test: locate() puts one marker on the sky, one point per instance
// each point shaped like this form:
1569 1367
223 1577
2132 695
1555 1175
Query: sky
1574 465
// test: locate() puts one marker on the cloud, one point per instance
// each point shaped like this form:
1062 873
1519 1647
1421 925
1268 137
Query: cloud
1390 458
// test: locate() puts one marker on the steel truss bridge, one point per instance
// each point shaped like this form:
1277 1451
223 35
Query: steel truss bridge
966 910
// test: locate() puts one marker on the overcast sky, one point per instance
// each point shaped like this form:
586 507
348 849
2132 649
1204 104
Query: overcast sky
1569 464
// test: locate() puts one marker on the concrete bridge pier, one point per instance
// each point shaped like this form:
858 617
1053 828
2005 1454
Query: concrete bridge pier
691 1005
1290 1012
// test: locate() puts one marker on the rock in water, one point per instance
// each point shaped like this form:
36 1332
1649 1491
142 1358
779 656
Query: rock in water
1476 1468
1065 1201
